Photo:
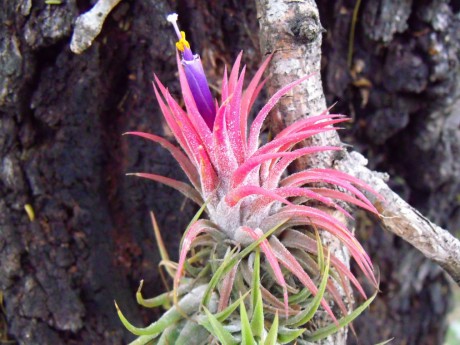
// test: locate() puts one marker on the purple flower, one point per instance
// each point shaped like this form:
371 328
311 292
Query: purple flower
195 76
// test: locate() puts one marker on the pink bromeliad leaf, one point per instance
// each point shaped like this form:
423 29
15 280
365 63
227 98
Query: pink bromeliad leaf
241 192
335 194
182 187
223 153
195 143
311 121
273 262
305 215
349 178
280 194
232 118
296 239
197 228
182 159
327 176
289 261
171 121
249 96
234 73
224 88
260 118
289 140
242 172
179 123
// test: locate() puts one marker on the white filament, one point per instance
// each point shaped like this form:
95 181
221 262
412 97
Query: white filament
172 18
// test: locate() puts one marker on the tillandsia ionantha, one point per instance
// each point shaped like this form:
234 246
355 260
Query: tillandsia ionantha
253 204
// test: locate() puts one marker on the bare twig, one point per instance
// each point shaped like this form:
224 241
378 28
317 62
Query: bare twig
403 220
89 25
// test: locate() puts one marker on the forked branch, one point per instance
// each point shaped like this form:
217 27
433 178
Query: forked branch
406 222
89 25
291 30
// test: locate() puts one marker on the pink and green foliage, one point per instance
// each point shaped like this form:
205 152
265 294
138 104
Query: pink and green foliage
247 188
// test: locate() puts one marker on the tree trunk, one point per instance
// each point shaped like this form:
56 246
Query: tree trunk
62 153
400 88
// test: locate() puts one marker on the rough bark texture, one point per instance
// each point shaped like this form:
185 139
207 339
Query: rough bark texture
292 32
61 149
398 217
400 89
61 116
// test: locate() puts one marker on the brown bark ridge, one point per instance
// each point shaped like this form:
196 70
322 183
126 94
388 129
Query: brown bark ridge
401 88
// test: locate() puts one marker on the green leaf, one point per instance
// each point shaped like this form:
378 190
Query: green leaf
169 335
170 317
224 314
218 330
302 296
320 250
227 265
286 335
332 328
164 300
273 333
246 334
257 322
187 305
202 253
255 279
161 300
144 340
161 245
192 330
307 314
193 271
223 269
213 260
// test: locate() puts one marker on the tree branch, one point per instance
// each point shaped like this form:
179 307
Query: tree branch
401 219
89 25
292 30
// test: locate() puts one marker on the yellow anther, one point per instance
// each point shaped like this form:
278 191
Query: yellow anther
182 43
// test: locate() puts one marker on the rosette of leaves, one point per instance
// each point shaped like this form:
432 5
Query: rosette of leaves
254 315
252 204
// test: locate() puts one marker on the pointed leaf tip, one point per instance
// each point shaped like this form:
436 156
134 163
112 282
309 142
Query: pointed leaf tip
141 283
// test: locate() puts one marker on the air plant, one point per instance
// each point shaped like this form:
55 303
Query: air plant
252 204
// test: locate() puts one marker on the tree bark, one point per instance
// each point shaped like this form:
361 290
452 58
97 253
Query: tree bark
400 88
292 32
62 154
